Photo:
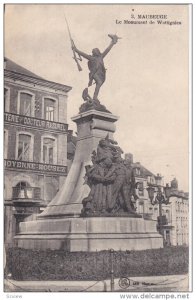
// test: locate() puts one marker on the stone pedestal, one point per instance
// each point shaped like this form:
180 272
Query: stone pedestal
90 234
60 226
92 126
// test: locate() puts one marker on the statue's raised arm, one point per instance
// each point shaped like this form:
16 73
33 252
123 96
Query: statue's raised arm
113 42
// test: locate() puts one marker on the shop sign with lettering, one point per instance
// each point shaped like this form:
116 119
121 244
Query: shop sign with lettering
36 167
35 123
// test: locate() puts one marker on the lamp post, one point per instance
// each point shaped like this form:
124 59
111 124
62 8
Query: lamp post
160 199
112 269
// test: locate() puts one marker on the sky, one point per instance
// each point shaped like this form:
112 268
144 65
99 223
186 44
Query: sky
147 78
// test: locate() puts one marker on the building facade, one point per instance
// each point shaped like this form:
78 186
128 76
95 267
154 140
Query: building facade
175 215
35 144
179 215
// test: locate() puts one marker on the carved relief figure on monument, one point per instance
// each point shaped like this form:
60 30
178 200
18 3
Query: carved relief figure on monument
108 148
122 188
110 180
100 178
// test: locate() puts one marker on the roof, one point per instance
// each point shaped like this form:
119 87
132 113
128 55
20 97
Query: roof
147 172
144 171
179 194
17 72
12 66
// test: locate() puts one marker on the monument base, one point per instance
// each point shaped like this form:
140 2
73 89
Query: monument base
89 234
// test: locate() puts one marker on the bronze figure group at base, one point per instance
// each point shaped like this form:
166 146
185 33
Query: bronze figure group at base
111 182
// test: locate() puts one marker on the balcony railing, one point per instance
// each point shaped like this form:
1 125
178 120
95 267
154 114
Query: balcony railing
26 193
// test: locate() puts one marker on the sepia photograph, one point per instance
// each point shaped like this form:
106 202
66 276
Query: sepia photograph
97 194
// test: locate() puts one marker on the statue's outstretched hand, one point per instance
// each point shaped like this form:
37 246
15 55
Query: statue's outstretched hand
114 38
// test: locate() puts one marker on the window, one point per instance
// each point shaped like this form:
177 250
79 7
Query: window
25 104
49 109
5 143
168 215
141 188
24 147
6 99
48 150
152 180
137 171
22 190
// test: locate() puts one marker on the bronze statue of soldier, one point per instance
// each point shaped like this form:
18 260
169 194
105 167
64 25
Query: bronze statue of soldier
96 66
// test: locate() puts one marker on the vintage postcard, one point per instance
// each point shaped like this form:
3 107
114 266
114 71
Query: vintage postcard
97 193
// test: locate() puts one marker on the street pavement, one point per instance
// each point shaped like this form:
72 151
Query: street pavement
168 283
